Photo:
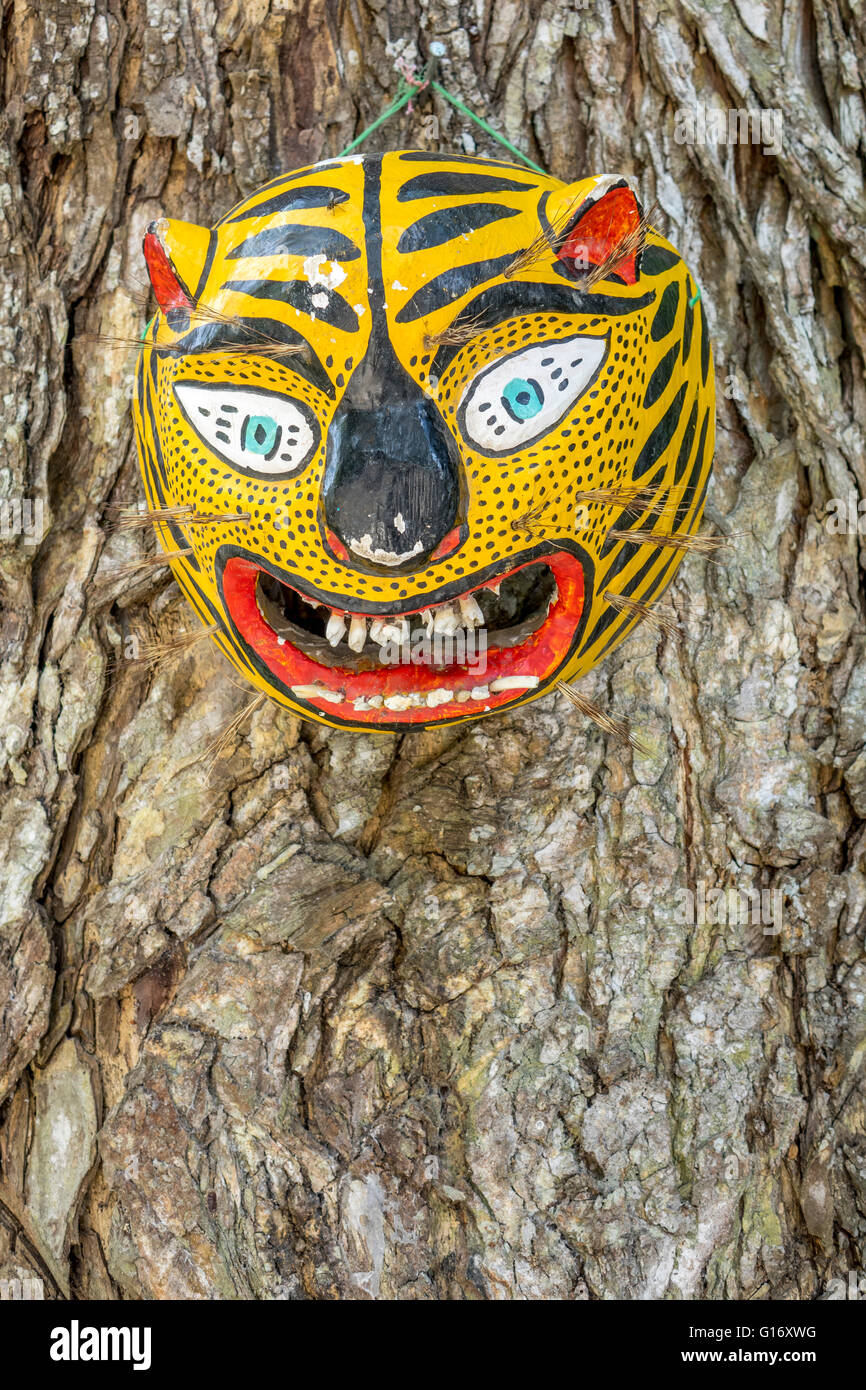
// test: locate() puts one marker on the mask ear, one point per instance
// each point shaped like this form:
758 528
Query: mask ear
176 253
606 215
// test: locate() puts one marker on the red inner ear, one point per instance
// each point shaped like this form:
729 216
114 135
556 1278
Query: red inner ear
601 229
170 293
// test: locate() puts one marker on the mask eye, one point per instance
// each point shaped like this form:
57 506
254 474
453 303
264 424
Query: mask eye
523 400
520 398
259 432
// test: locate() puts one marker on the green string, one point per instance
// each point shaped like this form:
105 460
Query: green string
402 100
694 299
488 129
405 96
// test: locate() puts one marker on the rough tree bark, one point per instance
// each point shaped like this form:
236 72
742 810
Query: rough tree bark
420 1017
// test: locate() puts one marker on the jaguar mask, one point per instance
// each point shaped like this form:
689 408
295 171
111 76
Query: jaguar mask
396 417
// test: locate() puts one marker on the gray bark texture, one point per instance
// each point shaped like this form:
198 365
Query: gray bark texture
359 1017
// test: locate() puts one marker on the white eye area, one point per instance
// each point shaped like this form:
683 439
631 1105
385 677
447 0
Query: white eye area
258 431
519 398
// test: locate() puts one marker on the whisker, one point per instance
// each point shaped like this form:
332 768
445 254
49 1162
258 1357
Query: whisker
152 654
460 331
603 721
131 520
662 621
640 511
184 515
528 527
531 524
260 342
151 562
216 518
620 495
701 545
113 340
212 754
261 347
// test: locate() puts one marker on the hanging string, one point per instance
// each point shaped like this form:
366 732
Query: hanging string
488 129
411 87
403 99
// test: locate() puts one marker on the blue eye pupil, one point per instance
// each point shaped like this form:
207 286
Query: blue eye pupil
522 399
260 435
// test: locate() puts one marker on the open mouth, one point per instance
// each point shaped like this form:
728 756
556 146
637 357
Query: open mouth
491 645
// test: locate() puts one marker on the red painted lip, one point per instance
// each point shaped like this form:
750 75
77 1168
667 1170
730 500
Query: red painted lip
541 655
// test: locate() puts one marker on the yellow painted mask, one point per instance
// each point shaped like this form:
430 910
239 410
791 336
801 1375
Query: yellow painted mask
405 409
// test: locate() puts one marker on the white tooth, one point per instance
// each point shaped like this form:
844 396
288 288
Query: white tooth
480 692
318 692
513 683
398 702
376 702
394 632
463 696
427 618
357 633
361 704
377 627
470 612
446 620
439 697
335 629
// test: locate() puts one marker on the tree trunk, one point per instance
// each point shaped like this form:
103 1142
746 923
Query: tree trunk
321 1015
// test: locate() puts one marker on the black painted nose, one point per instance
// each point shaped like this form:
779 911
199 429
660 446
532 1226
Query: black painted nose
391 483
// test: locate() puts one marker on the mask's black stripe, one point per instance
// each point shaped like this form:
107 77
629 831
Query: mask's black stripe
694 476
158 466
666 313
688 321
300 294
380 378
657 259
686 443
445 184
620 561
451 285
202 279
253 333
420 157
661 436
500 303
296 239
437 228
261 209
705 347
699 500
667 561
660 377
